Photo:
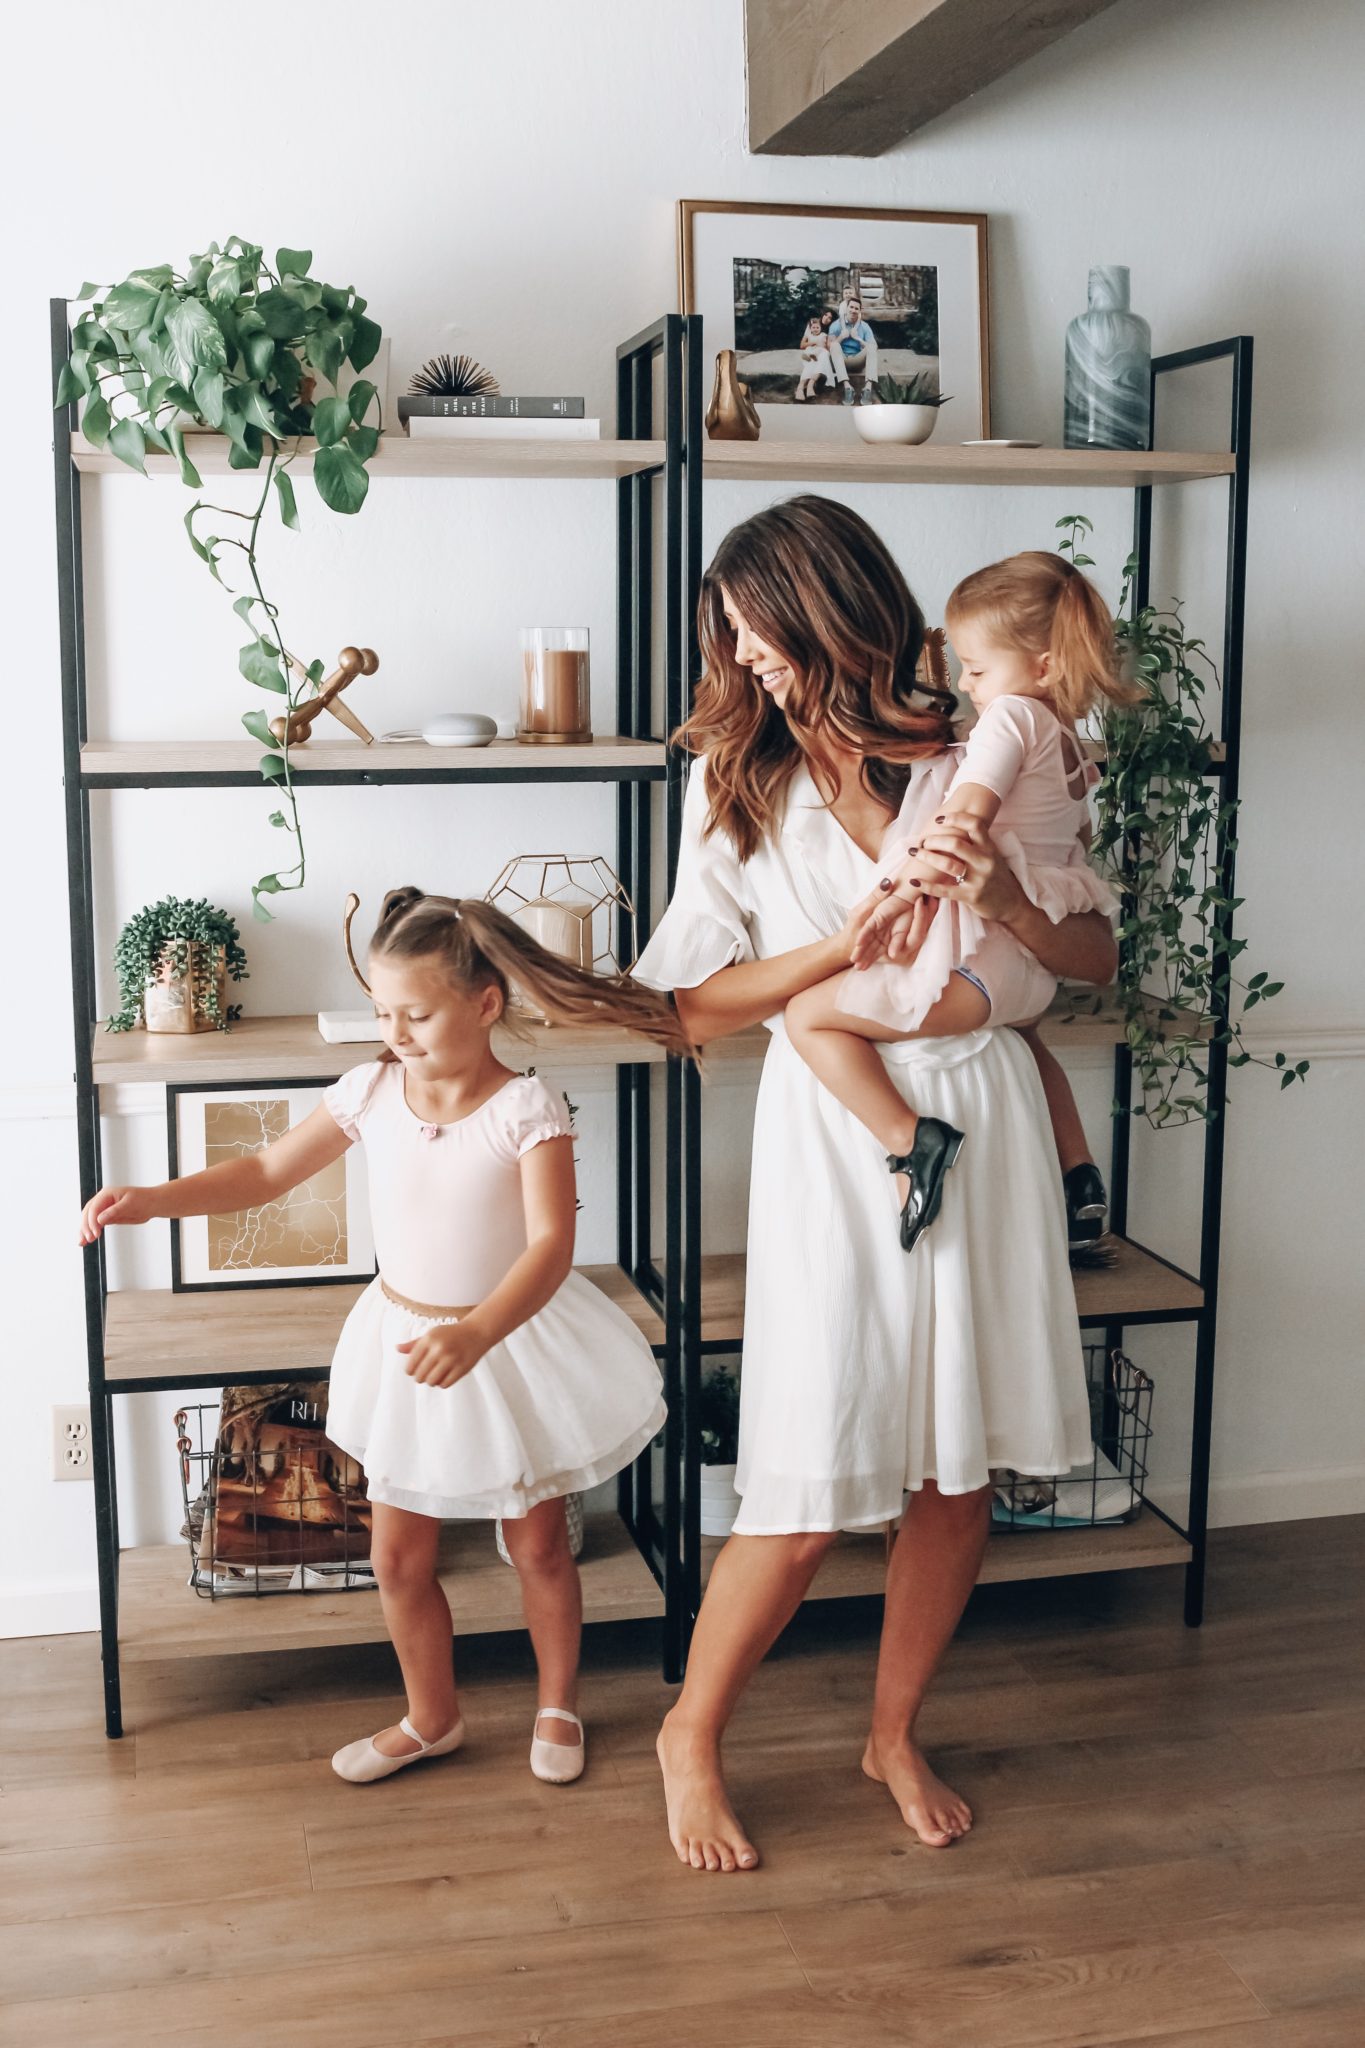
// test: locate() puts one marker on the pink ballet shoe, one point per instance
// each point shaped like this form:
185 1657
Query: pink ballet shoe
558 1763
360 1763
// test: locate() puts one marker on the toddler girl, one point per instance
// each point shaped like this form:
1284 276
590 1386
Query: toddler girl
478 1375
1037 648
816 361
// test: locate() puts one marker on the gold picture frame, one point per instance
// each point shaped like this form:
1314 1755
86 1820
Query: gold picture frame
954 245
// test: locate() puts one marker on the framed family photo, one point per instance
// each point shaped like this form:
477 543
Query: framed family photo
819 302
317 1232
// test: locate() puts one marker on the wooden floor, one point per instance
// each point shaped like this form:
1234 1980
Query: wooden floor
1170 1841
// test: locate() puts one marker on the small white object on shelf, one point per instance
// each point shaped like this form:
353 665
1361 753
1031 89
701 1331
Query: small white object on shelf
1002 444
907 425
350 1027
450 729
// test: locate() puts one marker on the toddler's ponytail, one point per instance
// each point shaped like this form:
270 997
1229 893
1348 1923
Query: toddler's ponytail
476 944
1041 604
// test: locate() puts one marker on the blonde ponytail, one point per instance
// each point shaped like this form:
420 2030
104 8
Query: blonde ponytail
478 944
1040 604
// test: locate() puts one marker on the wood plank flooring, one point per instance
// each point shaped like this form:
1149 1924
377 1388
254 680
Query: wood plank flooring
1170 1841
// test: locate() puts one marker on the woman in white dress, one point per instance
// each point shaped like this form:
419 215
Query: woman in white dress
867 1376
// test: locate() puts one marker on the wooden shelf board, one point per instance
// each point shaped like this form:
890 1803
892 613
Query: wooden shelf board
293 1049
856 1566
156 1338
236 763
854 461
399 455
159 1615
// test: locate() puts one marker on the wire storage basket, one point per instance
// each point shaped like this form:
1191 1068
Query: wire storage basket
1110 1488
271 1504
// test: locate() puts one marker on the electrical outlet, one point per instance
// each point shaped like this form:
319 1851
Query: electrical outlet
71 1442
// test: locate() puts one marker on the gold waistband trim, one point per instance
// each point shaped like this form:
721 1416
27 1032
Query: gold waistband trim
430 1310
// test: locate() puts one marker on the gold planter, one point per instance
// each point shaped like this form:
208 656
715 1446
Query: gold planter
168 1002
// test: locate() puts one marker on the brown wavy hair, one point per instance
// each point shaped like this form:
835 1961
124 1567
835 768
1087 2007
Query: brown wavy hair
814 581
479 946
1039 603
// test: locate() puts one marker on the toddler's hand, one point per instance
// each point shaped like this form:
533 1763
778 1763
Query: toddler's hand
114 1205
443 1356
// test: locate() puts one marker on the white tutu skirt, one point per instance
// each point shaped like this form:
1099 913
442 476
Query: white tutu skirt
868 1370
565 1401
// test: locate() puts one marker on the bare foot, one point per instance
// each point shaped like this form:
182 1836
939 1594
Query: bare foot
701 1821
393 1742
935 1812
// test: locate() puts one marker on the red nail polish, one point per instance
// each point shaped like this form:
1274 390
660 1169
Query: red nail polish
939 819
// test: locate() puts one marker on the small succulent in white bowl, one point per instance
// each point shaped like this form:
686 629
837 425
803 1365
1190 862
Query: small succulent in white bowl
904 412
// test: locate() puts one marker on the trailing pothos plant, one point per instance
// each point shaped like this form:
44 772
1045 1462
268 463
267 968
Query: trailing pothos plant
185 937
248 350
1162 832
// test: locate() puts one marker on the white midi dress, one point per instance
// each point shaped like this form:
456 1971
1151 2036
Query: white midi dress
562 1403
866 1370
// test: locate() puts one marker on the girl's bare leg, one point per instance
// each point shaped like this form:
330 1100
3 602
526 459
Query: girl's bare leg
840 1051
1067 1130
756 1585
933 1569
403 1552
552 1601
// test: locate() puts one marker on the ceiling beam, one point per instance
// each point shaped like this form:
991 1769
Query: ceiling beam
854 77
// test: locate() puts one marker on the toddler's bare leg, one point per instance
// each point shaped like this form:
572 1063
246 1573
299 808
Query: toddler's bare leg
552 1601
403 1553
840 1051
1067 1131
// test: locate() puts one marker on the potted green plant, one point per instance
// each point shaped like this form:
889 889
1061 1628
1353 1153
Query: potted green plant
1161 833
253 352
718 1428
904 412
174 960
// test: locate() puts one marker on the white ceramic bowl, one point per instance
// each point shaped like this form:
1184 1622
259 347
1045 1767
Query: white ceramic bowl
907 424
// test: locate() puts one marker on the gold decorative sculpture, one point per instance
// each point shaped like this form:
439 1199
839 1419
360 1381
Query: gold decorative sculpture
732 414
574 907
352 905
351 662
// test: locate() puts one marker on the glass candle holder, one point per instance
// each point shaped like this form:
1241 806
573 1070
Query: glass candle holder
556 702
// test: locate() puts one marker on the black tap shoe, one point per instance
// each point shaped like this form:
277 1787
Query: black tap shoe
935 1148
1087 1206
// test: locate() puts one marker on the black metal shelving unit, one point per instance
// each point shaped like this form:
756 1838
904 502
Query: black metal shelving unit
659 567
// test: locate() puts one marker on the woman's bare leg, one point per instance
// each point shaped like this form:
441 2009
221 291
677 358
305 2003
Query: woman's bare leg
1067 1129
840 1050
403 1552
933 1569
756 1585
552 1601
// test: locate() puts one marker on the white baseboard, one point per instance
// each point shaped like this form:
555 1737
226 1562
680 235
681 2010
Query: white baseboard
1287 1496
70 1608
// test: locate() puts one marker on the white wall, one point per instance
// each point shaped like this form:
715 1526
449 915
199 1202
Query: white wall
503 181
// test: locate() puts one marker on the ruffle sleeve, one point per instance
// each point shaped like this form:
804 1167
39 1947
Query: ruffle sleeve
532 1113
706 924
348 1100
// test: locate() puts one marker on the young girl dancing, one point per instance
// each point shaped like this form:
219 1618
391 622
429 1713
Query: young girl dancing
478 1375
1036 644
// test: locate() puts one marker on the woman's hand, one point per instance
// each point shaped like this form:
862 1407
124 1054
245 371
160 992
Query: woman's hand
969 868
115 1205
851 943
442 1356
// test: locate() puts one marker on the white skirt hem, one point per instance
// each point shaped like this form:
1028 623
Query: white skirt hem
517 1503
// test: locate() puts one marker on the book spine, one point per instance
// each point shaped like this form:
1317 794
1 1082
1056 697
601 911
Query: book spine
488 406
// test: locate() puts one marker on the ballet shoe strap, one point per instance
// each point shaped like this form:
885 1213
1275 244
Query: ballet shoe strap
408 1730
555 1714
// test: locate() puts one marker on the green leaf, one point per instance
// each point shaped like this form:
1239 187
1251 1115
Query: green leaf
272 767
129 444
364 343
316 671
289 511
246 454
282 313
95 421
293 262
331 418
69 388
87 291
260 412
224 282
260 354
157 437
242 606
362 441
195 541
208 388
258 726
278 818
360 397
341 481
196 337
261 668
326 351
131 306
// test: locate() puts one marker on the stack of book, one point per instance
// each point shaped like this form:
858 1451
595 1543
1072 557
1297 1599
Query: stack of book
497 418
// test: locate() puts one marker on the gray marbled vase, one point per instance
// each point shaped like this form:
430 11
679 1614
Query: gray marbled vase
1108 368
